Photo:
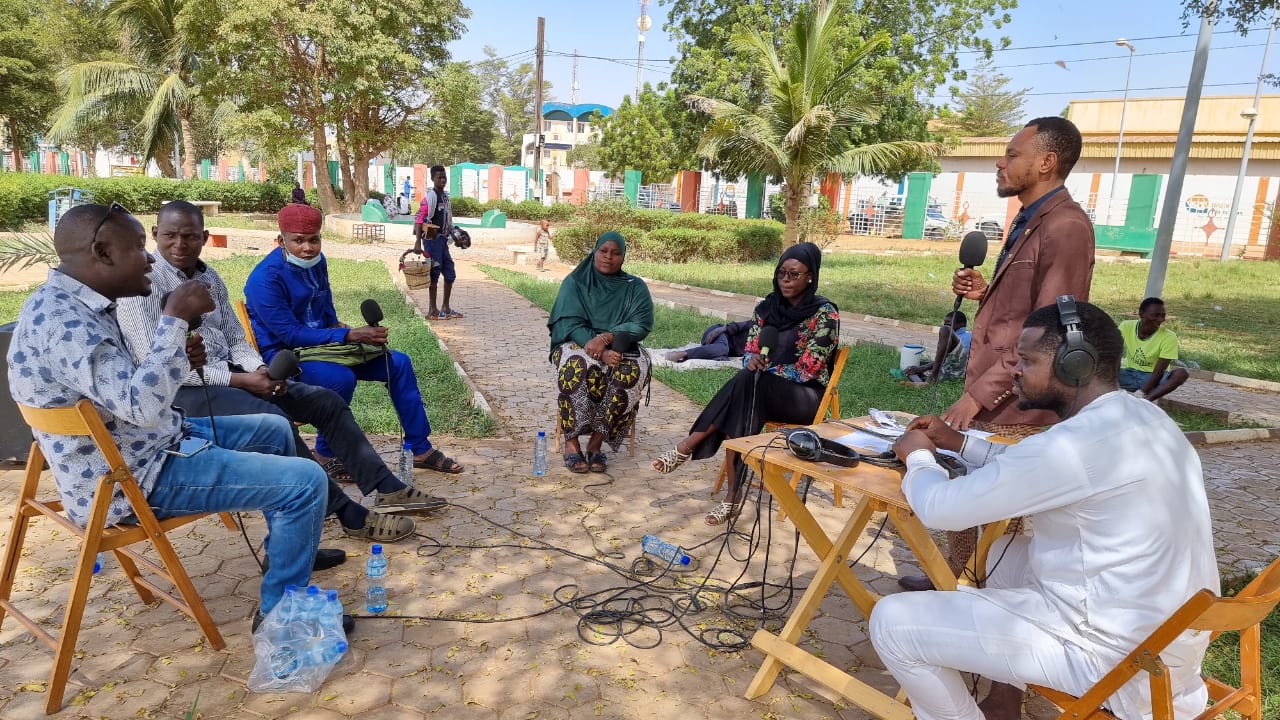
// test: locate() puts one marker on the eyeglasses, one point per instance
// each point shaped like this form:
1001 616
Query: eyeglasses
791 274
111 210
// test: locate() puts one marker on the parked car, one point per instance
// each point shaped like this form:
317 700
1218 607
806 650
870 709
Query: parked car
990 225
883 216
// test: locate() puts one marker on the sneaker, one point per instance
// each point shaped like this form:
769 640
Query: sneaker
408 499
383 528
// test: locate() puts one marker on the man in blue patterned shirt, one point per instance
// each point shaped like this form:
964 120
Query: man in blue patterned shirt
68 346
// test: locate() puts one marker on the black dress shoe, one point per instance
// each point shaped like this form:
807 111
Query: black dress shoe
915 583
325 558
328 558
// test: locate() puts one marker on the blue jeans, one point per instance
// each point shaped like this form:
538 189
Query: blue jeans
405 395
252 467
1132 379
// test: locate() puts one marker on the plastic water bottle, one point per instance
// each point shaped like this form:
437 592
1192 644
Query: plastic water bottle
376 600
331 618
284 662
101 561
405 471
540 454
312 606
325 651
673 554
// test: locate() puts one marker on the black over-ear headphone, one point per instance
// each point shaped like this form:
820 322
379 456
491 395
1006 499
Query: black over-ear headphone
1076 359
807 445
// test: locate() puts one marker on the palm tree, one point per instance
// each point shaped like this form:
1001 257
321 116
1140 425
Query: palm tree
803 126
154 82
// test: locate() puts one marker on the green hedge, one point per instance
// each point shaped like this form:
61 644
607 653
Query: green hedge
466 207
24 197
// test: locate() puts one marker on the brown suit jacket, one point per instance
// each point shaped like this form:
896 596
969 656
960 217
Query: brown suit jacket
1054 256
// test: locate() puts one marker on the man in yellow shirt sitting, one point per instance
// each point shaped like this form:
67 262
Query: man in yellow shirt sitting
1148 351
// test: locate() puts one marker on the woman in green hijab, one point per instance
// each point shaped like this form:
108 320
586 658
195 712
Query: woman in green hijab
598 317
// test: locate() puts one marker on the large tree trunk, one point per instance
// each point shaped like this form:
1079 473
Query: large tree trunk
344 162
795 193
17 146
165 163
320 148
188 146
360 178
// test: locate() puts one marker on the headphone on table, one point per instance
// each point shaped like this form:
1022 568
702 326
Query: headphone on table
807 445
1076 359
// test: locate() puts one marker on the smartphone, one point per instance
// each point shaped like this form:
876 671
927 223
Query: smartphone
188 447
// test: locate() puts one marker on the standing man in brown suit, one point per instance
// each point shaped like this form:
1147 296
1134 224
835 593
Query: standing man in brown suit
1048 252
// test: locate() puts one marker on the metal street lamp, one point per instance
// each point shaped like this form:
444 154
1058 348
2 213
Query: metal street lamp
1250 114
1124 106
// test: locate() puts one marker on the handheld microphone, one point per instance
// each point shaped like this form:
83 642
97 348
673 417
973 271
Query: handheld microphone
768 339
371 311
973 252
191 328
283 366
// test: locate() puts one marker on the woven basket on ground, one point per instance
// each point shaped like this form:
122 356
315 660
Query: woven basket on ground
417 273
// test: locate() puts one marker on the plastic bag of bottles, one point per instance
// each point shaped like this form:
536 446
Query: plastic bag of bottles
299 642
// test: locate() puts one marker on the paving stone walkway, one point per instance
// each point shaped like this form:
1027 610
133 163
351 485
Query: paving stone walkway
475 644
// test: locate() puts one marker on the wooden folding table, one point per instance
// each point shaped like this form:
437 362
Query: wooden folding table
879 489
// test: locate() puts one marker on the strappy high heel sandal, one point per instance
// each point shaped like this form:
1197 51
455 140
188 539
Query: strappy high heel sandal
723 513
670 460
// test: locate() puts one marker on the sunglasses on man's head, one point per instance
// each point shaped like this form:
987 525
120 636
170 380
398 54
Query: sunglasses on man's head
111 210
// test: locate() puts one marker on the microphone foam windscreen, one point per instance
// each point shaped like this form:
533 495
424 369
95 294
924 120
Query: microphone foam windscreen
768 340
624 342
283 366
973 249
371 311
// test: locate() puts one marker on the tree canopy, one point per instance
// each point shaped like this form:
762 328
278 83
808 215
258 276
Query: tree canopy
920 54
814 105
359 67
27 90
986 106
640 135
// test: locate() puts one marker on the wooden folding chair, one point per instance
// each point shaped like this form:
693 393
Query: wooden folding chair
242 313
83 419
829 407
1205 611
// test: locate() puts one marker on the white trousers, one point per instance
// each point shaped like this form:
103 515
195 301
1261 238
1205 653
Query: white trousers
927 639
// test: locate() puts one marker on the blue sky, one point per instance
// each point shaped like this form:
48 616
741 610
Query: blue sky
1083 32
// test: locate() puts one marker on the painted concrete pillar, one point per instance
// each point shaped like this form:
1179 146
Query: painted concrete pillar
205 169
755 196
389 179
495 182
1144 193
690 189
455 181
224 172
631 186
581 184
1259 210
421 181
830 189
916 205
335 175
308 175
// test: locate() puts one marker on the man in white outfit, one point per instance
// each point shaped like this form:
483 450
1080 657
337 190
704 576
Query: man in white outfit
1121 538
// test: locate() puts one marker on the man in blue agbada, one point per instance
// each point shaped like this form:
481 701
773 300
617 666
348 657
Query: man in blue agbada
290 304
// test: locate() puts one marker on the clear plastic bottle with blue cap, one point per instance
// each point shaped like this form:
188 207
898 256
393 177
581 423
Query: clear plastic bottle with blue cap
376 598
673 554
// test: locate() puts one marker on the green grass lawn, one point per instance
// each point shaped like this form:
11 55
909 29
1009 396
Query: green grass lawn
1226 315
445 394
865 384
